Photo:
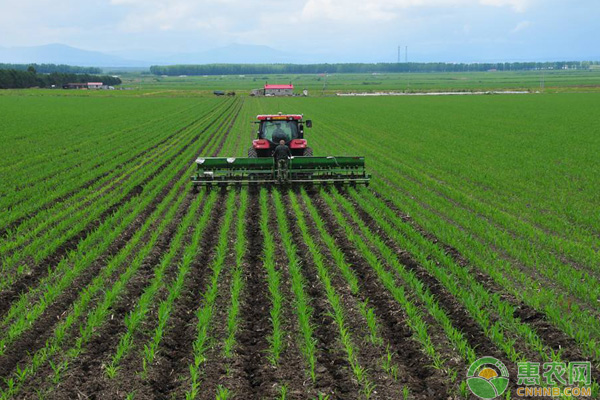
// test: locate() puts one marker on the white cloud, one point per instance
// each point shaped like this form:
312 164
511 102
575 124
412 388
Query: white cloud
521 25
159 16
355 29
192 15
219 16
386 10
517 5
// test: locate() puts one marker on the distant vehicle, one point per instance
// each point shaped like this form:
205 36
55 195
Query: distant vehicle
219 93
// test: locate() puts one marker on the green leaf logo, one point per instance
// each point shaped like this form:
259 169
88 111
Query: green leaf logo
487 378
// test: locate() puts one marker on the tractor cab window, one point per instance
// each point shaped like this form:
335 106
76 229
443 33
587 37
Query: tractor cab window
277 130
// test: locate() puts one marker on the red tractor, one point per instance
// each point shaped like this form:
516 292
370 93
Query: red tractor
260 167
273 128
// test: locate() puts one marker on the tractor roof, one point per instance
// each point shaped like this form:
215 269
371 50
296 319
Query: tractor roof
267 117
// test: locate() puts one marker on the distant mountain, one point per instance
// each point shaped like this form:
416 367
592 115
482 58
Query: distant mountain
146 55
231 54
63 54
236 54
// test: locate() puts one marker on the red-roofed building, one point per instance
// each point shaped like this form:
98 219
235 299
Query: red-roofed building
279 90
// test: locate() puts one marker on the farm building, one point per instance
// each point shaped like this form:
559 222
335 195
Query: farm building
279 90
75 86
88 85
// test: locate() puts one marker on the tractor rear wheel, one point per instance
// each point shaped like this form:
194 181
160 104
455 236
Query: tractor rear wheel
308 152
252 153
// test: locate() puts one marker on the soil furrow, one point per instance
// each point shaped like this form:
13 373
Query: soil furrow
215 369
87 371
334 375
175 354
164 378
35 337
550 335
128 375
292 368
41 269
456 312
40 379
415 368
41 329
251 375
532 272
369 355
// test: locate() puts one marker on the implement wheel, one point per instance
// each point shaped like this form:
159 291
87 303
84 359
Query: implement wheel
252 153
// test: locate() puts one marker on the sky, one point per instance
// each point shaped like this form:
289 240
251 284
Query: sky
328 30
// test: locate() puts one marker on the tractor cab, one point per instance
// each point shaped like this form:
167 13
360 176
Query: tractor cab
274 128
274 131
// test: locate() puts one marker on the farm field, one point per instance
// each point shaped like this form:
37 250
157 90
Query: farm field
478 236
317 84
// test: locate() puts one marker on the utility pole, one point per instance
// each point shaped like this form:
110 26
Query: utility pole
407 69
399 54
542 83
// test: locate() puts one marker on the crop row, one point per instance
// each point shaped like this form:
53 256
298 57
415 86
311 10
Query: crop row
47 237
137 286
519 257
97 162
91 247
19 318
95 315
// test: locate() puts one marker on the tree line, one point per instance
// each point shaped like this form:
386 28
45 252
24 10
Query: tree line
235 69
50 68
18 79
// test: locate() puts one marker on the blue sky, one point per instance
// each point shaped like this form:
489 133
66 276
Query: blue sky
333 30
